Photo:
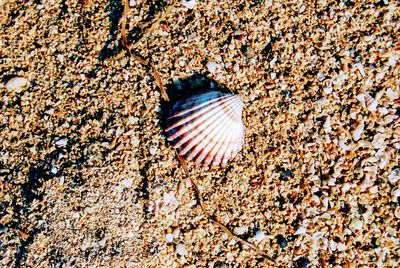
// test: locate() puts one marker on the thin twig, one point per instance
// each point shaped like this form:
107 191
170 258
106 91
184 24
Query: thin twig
123 27
159 83
210 217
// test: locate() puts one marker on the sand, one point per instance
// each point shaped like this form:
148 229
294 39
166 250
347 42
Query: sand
88 179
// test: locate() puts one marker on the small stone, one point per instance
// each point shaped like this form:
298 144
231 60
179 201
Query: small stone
301 230
232 242
153 150
259 235
169 237
315 200
281 241
190 4
17 84
341 247
133 120
394 175
54 170
132 3
320 77
379 141
176 232
127 182
62 142
397 212
240 230
333 245
181 249
102 242
396 195
327 90
356 224
211 66
327 125
317 235
229 257
345 187
224 236
302 262
392 95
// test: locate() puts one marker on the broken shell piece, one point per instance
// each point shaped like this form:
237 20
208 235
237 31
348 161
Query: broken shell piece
356 224
181 249
358 131
327 124
372 103
190 4
207 128
393 95
367 101
17 84
379 141
396 195
240 230
394 175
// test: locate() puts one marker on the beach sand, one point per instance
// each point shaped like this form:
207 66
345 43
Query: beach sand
88 179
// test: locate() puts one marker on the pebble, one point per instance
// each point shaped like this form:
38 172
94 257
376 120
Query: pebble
302 262
394 175
224 236
327 125
356 224
229 257
181 249
393 95
345 187
379 141
153 150
62 142
341 247
301 230
315 200
240 230
259 235
281 241
133 120
396 195
211 66
327 90
17 84
127 182
317 235
54 170
320 77
190 4
169 237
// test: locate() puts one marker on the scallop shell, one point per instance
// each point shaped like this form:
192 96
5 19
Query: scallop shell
207 128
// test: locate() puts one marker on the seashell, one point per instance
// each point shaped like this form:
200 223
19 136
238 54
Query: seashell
207 128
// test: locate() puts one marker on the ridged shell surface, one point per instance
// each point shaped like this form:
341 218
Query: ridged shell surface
207 128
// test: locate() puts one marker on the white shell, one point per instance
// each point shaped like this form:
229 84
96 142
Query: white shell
207 128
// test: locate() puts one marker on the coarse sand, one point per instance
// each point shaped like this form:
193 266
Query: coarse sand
88 179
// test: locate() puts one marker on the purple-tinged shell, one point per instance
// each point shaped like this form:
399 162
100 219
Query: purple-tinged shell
207 128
